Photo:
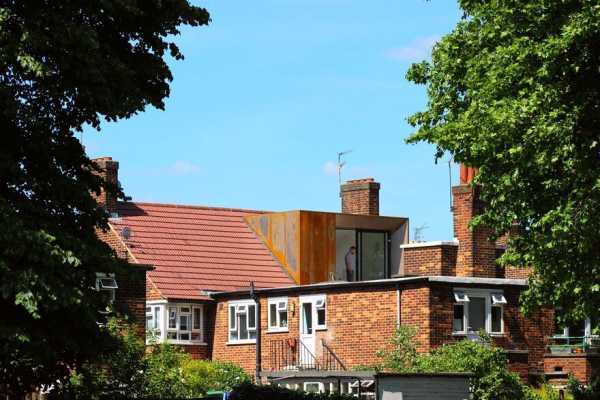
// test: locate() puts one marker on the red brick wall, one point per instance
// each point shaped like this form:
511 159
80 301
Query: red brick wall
360 196
430 260
581 366
476 254
109 173
359 323
130 297
520 333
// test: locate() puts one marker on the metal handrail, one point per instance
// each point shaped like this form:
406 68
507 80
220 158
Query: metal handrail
328 355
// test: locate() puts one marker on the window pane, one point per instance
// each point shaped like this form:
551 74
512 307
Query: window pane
251 316
458 323
345 255
321 316
185 309
184 323
497 319
184 336
233 335
283 319
149 323
232 318
242 326
307 318
171 335
197 317
373 245
272 315
172 317
476 314
156 317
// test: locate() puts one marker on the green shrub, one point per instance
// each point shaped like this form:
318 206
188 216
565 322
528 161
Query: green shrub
128 371
580 392
488 364
164 374
248 391
202 376
546 392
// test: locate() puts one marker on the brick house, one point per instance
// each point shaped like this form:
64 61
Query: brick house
320 290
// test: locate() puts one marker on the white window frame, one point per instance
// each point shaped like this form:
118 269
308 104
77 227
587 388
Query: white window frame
493 298
587 330
155 311
277 301
110 287
163 307
241 306
323 300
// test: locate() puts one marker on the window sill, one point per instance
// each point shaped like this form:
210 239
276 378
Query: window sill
321 328
241 342
179 342
282 330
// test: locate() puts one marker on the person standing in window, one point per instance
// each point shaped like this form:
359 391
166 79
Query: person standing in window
350 263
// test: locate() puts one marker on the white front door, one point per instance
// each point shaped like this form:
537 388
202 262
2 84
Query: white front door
307 332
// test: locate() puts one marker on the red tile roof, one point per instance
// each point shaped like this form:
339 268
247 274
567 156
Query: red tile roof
198 248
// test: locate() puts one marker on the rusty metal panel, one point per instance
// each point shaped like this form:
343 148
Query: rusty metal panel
317 246
280 233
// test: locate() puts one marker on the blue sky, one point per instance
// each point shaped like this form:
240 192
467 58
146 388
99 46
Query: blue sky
267 95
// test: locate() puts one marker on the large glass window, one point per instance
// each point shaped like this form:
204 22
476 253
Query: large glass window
361 255
373 255
242 321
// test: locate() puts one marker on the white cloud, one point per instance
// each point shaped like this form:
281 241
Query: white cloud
330 168
181 167
417 50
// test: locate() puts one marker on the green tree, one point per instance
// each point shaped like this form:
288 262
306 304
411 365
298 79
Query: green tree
491 379
514 90
65 65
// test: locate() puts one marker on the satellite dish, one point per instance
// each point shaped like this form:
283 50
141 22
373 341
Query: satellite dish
126 233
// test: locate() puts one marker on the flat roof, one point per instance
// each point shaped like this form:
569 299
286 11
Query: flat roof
369 374
453 280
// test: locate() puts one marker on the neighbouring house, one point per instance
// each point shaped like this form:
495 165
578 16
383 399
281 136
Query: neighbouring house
283 292
127 290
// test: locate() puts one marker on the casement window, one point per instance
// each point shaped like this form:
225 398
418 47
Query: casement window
321 310
242 321
278 314
175 323
106 285
476 310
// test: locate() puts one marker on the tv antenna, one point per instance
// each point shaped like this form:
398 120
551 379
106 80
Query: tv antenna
419 233
340 164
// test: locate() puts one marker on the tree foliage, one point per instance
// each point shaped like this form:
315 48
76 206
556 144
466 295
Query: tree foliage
63 66
514 90
488 364
129 371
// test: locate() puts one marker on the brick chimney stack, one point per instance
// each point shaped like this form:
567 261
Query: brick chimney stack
360 196
476 254
109 172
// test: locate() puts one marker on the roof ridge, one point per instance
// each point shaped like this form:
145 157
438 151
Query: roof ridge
193 206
